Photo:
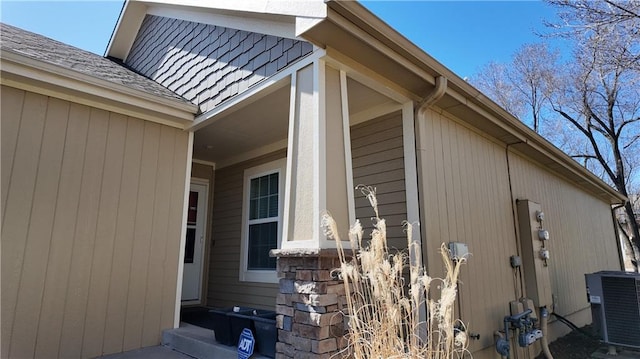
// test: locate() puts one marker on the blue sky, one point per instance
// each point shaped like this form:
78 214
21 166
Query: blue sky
462 35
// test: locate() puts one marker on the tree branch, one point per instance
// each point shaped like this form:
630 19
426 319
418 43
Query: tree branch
624 124
637 137
622 8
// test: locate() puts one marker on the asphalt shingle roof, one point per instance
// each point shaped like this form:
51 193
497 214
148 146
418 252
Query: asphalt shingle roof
44 49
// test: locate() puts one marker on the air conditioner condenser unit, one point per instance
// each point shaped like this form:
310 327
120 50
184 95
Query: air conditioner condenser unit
615 306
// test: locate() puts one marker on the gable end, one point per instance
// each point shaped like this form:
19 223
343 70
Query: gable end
208 64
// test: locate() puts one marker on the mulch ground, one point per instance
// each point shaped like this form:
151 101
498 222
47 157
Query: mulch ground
576 345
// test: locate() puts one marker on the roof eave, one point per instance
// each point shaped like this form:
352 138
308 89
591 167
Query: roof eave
37 76
413 63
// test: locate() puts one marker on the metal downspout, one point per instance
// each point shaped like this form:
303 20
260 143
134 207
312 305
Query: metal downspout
429 99
434 96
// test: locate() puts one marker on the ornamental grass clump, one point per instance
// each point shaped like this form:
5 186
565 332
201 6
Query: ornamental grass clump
383 313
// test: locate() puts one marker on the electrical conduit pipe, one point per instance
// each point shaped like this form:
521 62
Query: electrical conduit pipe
544 319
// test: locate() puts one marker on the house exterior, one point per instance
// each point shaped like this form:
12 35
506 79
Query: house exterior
210 136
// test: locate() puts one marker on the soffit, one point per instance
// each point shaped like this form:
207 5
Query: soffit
263 122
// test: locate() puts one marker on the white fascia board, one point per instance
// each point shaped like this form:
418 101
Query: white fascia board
19 71
283 18
205 16
304 24
305 8
126 29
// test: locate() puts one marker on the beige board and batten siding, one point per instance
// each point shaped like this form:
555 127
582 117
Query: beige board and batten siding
224 287
582 237
465 198
92 205
378 160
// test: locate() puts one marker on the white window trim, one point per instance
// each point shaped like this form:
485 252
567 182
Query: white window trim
278 166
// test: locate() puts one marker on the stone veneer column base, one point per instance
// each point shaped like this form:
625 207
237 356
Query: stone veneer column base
309 306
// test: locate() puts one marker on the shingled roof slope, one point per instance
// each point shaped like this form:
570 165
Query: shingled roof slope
44 49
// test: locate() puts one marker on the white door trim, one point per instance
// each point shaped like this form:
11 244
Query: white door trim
205 183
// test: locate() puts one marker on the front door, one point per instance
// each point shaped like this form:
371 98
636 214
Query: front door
194 244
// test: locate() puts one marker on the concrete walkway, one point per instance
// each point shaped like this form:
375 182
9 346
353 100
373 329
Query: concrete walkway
198 342
157 352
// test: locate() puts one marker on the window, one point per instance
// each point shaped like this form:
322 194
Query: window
262 220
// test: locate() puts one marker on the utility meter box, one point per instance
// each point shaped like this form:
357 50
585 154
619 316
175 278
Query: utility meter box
535 253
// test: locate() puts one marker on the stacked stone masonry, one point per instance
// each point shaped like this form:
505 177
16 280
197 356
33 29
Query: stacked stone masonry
309 308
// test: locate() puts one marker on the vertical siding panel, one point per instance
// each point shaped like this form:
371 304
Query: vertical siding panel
54 298
154 283
428 189
474 292
121 264
11 111
142 238
174 229
16 221
468 201
579 226
447 203
439 202
11 119
84 237
96 308
71 207
469 280
457 189
40 228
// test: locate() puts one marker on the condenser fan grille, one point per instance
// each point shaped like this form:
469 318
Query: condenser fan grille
622 310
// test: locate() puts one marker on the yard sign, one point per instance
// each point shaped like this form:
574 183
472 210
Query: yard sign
245 344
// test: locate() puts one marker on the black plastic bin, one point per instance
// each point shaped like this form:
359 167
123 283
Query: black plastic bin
243 319
266 333
222 324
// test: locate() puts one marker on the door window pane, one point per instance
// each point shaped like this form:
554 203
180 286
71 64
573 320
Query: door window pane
190 245
192 213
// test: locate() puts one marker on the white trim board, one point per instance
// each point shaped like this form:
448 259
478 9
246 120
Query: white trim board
265 87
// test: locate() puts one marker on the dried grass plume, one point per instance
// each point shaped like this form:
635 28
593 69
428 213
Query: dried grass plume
383 313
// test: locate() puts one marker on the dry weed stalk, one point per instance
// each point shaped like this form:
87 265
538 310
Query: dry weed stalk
383 314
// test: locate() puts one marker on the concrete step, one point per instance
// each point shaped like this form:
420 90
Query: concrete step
199 343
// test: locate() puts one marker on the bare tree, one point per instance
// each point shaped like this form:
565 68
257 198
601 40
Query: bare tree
533 76
580 19
523 86
592 101
494 81
600 96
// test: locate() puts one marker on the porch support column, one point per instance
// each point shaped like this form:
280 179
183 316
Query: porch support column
318 158
318 178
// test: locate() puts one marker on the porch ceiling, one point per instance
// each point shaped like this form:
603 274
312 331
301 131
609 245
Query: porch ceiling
261 125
